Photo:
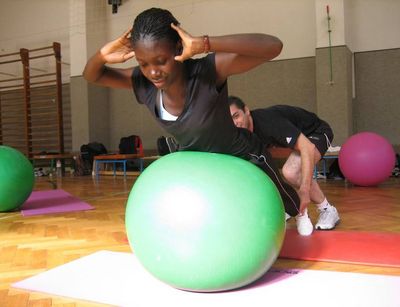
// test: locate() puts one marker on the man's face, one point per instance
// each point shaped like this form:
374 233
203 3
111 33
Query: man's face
240 118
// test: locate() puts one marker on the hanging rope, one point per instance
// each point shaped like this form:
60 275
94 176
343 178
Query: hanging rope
330 46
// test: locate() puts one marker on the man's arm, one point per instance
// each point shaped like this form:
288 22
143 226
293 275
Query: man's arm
307 152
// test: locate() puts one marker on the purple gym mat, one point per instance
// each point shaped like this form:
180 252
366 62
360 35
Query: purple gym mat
52 201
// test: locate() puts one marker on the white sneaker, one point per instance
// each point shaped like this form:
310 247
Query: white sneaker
304 225
328 218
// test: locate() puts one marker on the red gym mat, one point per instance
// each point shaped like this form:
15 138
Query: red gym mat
368 248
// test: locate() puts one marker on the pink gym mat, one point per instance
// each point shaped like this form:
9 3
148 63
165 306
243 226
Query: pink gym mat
52 201
368 248
118 279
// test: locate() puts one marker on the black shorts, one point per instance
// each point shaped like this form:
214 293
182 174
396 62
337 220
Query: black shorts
321 137
290 198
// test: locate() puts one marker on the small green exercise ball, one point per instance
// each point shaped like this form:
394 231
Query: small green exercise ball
205 222
16 178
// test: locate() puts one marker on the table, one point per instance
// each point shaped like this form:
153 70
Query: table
55 157
117 158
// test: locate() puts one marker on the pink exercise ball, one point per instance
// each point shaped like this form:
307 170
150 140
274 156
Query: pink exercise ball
366 159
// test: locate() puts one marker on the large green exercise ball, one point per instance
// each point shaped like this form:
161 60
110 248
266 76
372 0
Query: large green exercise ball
205 222
16 178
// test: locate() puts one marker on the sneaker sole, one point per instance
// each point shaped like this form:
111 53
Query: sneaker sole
320 228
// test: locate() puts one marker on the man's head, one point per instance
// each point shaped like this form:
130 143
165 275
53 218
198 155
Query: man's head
240 113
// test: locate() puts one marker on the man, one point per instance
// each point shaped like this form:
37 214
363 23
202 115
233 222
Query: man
309 137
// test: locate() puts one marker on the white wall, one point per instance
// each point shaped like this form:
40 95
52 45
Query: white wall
33 24
374 24
293 21
77 36
336 23
370 24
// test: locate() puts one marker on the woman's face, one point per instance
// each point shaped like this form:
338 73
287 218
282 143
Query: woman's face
156 61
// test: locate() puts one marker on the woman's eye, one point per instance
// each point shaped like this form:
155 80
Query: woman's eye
163 62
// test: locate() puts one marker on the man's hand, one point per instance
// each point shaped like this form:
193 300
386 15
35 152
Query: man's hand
305 200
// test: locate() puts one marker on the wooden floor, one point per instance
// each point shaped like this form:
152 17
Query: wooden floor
30 245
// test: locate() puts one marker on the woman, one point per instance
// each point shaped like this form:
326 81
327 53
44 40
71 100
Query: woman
189 97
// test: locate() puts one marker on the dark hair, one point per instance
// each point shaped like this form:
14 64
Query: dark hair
155 24
237 102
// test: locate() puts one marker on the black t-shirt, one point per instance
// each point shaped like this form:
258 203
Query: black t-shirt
205 123
281 125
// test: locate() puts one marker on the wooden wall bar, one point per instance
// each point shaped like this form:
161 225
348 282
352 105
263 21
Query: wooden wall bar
12 105
31 107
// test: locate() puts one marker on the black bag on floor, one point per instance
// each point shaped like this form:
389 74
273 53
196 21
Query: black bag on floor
88 151
166 145
81 168
396 169
130 145
334 171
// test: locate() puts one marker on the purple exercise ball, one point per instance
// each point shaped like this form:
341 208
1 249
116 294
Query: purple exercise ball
366 159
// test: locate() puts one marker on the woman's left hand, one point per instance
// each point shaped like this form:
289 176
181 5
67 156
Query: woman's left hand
190 45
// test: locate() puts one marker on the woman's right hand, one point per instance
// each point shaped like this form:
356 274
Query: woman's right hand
119 50
116 51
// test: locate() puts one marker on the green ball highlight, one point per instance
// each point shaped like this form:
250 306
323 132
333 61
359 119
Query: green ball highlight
205 222
17 179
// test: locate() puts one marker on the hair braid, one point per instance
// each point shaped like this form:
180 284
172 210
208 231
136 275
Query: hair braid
155 24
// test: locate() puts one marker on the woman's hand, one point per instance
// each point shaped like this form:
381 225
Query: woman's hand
119 50
116 51
190 45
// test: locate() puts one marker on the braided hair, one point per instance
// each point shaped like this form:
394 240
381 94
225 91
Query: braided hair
155 24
